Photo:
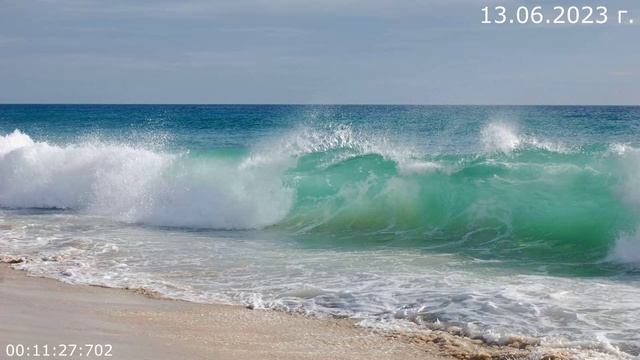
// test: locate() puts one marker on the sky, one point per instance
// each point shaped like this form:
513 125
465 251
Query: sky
310 51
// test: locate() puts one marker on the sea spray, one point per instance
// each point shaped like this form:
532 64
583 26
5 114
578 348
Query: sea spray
531 202
134 184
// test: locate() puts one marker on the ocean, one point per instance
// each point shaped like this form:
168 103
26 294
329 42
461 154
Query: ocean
506 222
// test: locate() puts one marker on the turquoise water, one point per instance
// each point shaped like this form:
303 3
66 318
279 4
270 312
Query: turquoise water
502 220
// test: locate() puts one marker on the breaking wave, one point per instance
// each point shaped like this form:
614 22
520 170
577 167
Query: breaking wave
517 196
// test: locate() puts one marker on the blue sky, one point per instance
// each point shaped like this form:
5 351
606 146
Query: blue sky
308 51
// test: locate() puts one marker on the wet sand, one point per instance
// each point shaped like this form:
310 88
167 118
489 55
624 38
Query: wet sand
45 311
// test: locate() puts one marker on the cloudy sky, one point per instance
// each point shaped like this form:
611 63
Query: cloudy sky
309 51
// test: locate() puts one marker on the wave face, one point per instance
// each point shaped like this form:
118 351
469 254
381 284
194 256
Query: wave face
518 197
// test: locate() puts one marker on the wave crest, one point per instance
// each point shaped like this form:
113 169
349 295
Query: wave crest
505 137
342 181
134 184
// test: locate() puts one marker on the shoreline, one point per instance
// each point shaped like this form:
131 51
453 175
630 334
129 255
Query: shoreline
140 325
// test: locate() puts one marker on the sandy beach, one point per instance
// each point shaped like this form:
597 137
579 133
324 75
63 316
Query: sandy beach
45 311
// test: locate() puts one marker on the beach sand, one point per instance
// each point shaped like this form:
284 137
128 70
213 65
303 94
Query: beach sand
45 311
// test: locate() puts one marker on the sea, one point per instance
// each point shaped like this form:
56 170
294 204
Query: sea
507 222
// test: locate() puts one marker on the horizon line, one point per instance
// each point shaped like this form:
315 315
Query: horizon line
309 104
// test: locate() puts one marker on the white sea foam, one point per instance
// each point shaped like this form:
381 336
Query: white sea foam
138 185
350 142
413 167
626 249
627 245
13 141
387 289
216 195
314 139
135 184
